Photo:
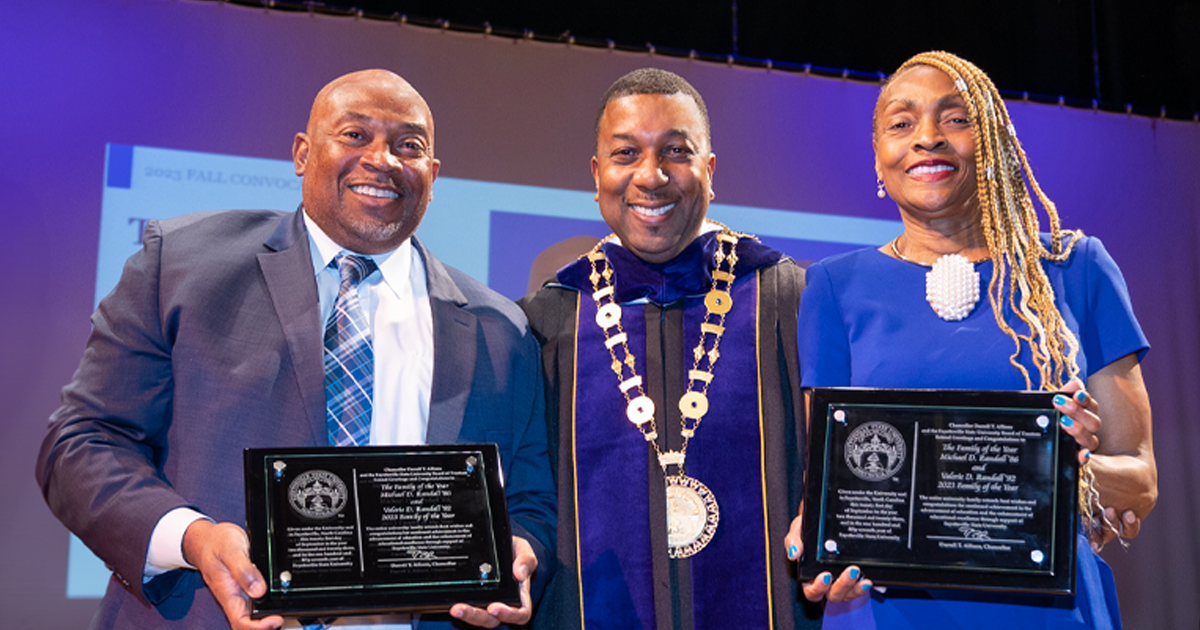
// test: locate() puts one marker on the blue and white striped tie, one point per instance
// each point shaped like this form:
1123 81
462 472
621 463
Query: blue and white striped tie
349 358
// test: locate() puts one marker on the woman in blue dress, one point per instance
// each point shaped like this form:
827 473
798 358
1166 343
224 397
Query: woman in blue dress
1055 315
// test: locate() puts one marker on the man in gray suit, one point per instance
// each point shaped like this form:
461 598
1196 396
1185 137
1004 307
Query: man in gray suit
212 343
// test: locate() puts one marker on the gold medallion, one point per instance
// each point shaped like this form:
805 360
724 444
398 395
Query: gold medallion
692 516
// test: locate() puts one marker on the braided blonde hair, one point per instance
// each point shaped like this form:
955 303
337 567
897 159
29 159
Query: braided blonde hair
1010 225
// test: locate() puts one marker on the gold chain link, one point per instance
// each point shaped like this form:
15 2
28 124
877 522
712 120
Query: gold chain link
694 402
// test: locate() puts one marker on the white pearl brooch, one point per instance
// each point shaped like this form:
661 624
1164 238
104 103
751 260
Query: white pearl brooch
952 287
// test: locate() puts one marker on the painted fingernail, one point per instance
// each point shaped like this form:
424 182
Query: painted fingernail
1087 455
1130 518
792 552
1081 395
827 579
853 574
1067 421
1059 399
866 586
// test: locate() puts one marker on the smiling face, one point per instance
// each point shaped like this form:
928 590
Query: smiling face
925 146
653 170
367 161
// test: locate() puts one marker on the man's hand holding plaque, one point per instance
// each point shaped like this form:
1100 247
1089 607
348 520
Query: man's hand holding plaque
524 564
221 552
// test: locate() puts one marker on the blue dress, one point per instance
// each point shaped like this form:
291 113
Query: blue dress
864 322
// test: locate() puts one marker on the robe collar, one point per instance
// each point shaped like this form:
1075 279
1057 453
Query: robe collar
688 274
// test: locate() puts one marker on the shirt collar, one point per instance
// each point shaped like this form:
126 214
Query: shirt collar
394 265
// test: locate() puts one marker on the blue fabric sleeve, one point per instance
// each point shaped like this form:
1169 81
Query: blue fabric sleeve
824 343
1109 329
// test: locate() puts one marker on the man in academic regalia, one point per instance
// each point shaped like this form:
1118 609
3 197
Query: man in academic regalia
675 414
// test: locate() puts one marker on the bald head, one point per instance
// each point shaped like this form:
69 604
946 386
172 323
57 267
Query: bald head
376 80
367 161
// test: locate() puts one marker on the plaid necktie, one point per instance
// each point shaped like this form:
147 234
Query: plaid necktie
349 358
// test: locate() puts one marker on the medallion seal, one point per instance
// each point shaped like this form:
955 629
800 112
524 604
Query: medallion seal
692 516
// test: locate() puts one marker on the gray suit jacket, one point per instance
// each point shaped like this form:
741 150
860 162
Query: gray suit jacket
212 343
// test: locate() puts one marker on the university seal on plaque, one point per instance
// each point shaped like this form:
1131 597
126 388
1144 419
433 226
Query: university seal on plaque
875 451
317 494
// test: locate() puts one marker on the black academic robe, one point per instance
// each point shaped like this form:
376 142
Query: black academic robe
614 570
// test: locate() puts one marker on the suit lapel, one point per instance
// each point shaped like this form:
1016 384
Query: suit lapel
288 272
454 339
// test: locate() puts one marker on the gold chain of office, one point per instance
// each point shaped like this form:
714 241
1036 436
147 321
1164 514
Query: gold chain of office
692 510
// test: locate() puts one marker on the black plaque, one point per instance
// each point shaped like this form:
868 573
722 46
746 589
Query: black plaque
365 530
941 488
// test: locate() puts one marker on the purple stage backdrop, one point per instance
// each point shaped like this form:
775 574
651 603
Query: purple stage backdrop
207 77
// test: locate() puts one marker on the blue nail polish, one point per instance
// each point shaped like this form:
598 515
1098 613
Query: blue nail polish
1081 395
1059 399
866 586
1087 455
792 551
1067 421
853 574
827 579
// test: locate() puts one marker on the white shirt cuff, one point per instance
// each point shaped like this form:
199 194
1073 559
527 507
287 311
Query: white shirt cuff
166 542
